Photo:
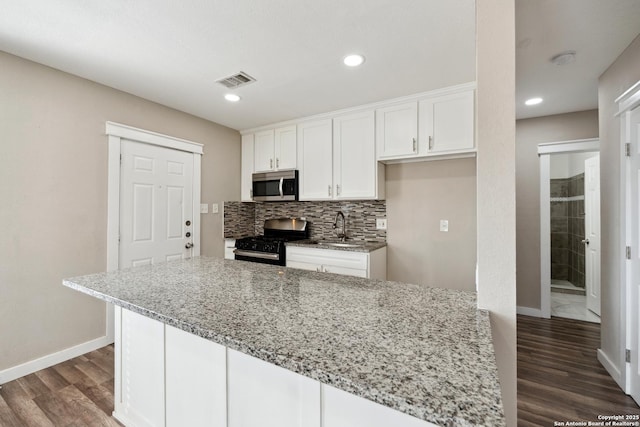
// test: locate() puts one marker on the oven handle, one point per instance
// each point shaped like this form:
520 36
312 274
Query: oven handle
281 181
256 254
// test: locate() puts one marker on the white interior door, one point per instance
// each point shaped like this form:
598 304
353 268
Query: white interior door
592 232
156 204
634 187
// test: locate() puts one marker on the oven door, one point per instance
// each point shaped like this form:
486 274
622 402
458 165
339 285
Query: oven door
255 256
275 186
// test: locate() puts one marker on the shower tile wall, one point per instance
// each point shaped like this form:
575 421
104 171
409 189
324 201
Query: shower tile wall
567 229
361 217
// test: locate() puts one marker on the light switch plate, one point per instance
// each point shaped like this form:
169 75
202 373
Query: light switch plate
381 223
204 208
444 225
214 208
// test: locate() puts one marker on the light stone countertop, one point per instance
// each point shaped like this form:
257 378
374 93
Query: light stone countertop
363 246
423 351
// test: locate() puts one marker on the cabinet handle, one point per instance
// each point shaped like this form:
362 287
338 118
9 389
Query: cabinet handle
430 142
415 148
329 190
337 189
277 163
270 163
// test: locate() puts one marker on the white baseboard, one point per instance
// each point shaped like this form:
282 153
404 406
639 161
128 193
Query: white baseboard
32 366
528 311
611 368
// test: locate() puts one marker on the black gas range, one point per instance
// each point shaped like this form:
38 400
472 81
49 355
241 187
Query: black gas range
270 248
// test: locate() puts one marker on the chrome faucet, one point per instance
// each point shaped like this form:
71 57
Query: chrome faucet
342 236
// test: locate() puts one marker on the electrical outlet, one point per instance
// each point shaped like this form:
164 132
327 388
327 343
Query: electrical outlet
214 208
381 224
444 225
204 208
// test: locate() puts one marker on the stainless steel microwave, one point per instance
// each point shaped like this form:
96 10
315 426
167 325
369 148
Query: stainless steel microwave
278 186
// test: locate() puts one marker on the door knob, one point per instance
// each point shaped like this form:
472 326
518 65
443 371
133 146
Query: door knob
585 241
189 245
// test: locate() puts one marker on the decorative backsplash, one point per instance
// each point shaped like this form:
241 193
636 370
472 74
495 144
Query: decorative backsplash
360 215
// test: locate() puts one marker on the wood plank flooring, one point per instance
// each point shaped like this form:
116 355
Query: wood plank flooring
559 376
78 392
559 379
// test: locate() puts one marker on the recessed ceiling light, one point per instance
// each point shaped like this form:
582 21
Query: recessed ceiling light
353 60
232 97
533 101
564 58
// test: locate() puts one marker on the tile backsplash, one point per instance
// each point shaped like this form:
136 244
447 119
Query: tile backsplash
360 215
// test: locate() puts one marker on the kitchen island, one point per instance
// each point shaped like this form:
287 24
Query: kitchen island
281 346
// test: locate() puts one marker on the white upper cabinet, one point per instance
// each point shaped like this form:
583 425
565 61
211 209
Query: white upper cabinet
264 154
355 169
285 147
314 160
397 131
246 180
275 149
446 123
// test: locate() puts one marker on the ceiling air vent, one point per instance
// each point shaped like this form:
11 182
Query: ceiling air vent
237 80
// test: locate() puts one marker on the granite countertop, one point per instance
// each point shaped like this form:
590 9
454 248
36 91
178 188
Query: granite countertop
363 246
424 351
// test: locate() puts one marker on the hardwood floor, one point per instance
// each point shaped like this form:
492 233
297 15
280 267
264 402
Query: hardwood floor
559 379
559 376
78 392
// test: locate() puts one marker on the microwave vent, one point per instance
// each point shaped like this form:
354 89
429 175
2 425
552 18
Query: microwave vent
237 80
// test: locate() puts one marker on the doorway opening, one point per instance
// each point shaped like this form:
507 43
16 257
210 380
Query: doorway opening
569 235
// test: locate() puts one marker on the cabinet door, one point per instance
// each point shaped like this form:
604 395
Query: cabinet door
263 153
196 380
446 123
315 160
266 395
246 183
286 147
354 156
141 371
397 131
342 409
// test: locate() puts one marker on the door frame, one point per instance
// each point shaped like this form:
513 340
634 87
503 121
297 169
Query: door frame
545 151
628 101
116 133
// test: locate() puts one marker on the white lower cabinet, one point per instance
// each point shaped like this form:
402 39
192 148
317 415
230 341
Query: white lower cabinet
195 379
229 247
371 265
266 395
342 409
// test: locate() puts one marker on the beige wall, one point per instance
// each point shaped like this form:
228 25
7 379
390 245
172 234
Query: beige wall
495 114
53 192
621 75
530 133
419 195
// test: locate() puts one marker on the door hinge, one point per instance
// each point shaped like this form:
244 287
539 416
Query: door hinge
628 252
627 149
627 356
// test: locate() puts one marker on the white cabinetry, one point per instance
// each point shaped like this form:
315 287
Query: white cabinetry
275 149
397 131
342 409
229 247
446 123
266 395
195 380
246 180
356 172
372 265
314 160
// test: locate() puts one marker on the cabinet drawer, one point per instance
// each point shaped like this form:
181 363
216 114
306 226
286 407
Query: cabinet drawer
328 257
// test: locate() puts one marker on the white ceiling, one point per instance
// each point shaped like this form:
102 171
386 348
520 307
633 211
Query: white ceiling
172 52
598 30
